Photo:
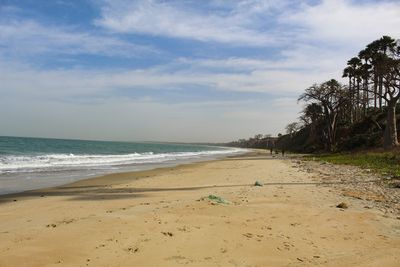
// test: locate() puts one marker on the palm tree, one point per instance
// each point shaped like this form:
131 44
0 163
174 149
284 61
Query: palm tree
375 49
371 51
348 72
365 70
391 81
355 64
312 116
384 45
386 64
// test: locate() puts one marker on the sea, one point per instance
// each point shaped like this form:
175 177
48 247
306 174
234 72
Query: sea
34 163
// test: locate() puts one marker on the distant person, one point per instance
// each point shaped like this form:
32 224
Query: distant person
271 150
283 152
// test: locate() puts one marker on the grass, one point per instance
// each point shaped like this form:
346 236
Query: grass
386 163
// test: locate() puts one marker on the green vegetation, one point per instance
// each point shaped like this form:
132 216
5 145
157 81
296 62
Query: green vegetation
386 163
362 114
333 110
215 199
339 119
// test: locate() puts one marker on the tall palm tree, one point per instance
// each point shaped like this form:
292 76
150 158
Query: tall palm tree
385 45
365 70
371 52
348 73
386 62
374 49
355 64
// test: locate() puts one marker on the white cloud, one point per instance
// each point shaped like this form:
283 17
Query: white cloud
24 37
235 26
345 22
298 58
125 118
317 41
256 22
26 81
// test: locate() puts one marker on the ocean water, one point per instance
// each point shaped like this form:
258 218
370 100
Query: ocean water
32 163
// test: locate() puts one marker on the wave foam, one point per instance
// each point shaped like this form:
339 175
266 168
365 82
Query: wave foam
59 162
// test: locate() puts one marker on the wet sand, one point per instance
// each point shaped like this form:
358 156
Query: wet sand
163 217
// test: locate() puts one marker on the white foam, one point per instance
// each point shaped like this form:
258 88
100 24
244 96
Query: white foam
59 162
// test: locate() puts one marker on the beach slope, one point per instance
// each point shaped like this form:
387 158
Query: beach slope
203 214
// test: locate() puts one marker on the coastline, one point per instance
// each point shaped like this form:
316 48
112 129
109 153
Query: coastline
15 183
113 178
166 219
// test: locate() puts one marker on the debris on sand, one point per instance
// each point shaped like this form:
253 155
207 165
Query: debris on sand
395 184
342 205
215 199
258 183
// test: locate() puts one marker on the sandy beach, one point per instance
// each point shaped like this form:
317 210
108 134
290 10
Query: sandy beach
164 217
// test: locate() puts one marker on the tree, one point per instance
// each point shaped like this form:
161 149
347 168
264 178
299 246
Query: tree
312 115
292 128
331 96
372 50
349 72
354 65
365 72
385 59
258 136
391 81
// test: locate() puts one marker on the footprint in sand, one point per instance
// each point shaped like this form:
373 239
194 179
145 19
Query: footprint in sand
167 234
132 250
248 235
68 221
288 245
183 229
100 246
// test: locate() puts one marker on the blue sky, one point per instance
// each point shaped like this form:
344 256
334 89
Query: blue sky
173 70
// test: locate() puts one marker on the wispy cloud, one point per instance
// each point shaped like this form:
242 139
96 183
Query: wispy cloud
236 23
246 63
24 81
296 66
27 37
255 22
344 22
84 105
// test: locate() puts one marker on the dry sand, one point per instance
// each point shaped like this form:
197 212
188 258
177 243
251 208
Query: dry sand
162 219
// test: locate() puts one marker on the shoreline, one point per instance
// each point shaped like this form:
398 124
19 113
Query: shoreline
168 219
123 170
110 179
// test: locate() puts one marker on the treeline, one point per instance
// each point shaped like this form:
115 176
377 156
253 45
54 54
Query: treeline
258 141
359 114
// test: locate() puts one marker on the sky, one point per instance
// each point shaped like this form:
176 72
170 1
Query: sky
189 71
